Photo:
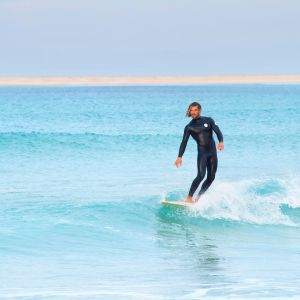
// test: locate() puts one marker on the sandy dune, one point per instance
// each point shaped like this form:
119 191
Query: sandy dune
149 80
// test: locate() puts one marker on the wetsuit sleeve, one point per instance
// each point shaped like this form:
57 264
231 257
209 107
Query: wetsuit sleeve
217 130
185 139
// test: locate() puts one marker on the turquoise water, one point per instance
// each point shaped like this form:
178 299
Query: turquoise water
83 170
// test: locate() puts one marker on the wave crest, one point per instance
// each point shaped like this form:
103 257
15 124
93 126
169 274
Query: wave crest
257 201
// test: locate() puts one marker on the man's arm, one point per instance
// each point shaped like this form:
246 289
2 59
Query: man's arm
219 134
184 141
217 130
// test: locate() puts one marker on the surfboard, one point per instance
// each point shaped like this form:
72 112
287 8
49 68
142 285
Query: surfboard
178 203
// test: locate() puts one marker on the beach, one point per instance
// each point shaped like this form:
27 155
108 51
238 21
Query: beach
147 80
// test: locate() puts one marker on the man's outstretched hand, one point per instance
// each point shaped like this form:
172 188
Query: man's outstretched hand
178 162
220 146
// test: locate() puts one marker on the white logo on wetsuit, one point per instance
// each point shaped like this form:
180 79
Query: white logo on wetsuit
205 125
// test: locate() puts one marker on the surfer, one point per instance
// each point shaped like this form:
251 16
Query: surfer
200 128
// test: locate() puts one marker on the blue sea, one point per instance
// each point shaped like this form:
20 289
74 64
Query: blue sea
83 171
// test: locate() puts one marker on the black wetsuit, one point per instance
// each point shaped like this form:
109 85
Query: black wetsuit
201 130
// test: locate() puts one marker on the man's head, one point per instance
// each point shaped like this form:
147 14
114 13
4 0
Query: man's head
194 110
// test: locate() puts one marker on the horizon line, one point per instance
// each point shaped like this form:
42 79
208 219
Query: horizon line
129 80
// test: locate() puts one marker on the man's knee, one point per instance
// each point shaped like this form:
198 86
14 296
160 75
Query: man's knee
211 177
200 176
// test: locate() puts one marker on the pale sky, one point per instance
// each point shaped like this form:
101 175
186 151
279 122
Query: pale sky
149 37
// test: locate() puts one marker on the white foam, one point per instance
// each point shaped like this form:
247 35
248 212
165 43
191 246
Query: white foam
239 201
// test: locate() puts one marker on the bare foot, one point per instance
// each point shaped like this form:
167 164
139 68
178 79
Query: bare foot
197 198
189 199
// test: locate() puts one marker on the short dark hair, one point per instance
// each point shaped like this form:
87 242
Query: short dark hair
188 114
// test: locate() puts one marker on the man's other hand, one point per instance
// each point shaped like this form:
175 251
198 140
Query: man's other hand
220 146
178 162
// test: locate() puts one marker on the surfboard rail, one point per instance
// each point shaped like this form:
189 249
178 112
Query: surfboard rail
177 203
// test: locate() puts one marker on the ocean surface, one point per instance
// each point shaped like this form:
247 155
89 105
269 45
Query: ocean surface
83 171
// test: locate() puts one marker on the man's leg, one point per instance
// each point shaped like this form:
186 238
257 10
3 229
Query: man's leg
212 165
201 166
